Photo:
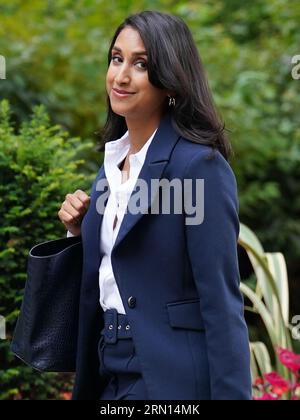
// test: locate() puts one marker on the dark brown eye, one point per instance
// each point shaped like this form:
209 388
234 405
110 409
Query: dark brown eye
114 56
144 64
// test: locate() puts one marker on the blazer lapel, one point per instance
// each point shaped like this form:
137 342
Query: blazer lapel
157 157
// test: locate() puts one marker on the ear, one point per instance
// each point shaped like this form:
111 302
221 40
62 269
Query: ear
171 93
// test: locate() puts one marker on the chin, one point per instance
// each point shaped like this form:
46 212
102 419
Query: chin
119 111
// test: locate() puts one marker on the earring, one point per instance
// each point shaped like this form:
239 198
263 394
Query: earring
172 101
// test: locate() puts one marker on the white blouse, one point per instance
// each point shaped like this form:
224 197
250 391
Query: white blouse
120 192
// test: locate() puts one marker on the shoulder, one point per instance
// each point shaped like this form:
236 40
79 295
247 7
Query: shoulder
202 161
219 182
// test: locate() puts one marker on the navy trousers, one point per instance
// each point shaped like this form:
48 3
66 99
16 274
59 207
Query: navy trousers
118 360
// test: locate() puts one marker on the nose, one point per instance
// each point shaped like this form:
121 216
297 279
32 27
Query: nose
122 76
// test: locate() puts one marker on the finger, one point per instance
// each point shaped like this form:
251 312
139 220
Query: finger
68 208
67 218
82 196
76 203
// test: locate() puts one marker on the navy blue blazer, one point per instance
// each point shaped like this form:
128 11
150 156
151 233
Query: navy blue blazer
188 321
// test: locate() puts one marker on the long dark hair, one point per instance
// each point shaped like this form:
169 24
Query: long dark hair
173 64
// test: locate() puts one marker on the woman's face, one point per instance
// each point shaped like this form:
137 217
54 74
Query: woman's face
128 72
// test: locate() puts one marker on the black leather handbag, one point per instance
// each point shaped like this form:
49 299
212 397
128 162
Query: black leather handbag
46 332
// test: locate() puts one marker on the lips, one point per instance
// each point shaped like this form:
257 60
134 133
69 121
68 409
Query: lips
123 92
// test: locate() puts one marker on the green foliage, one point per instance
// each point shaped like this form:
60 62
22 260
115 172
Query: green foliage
58 58
38 167
270 300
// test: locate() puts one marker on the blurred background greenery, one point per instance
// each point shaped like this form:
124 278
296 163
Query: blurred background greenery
56 55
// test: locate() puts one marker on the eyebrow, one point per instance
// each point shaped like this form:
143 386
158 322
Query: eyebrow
134 53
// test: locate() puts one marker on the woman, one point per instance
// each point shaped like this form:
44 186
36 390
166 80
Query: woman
169 322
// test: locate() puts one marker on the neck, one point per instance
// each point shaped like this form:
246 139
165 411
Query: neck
140 130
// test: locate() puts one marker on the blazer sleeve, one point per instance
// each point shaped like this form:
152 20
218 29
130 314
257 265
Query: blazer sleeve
212 250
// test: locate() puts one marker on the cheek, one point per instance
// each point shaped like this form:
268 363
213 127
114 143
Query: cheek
155 96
